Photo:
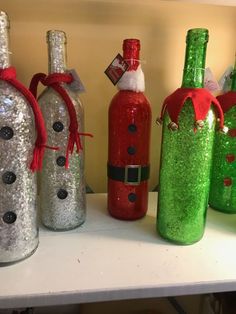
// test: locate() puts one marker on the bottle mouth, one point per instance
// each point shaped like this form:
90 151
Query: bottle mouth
56 36
131 43
4 20
197 35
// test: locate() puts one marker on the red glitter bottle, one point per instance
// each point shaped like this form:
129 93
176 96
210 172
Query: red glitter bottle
129 141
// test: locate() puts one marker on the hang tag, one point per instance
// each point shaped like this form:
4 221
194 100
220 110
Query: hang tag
76 85
116 69
210 83
226 79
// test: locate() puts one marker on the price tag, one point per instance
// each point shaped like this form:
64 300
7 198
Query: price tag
116 69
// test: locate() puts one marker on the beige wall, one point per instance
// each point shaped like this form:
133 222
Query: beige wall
95 30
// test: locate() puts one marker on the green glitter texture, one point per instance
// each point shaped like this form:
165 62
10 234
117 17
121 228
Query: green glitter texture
186 158
185 177
223 198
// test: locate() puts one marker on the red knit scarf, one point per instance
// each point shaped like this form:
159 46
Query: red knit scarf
9 75
54 80
201 101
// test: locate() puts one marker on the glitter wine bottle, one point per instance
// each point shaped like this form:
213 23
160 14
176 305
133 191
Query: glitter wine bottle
21 155
223 180
187 142
62 183
129 137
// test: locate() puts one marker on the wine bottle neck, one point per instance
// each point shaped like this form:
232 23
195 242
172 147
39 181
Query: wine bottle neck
131 48
4 41
133 78
195 56
56 52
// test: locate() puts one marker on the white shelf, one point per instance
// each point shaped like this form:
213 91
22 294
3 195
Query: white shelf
107 259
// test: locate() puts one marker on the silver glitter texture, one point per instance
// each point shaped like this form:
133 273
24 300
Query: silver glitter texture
20 238
56 51
4 27
61 214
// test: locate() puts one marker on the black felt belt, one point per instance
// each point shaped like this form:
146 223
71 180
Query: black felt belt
130 174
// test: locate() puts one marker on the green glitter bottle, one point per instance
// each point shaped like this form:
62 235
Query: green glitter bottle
223 181
186 155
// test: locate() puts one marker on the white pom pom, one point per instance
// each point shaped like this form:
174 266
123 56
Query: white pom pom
132 80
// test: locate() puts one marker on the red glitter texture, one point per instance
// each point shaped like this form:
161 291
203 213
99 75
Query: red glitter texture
126 108
118 204
131 48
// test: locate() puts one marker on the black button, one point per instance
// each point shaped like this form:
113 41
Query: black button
9 217
131 150
9 177
6 133
132 128
58 126
61 161
62 194
132 197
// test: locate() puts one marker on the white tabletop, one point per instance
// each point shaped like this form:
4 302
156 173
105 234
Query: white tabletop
108 259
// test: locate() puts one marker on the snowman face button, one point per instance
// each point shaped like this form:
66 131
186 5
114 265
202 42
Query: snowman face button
61 161
58 126
9 217
62 194
8 177
6 133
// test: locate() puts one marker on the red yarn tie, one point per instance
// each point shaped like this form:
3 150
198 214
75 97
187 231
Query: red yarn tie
54 80
201 101
9 75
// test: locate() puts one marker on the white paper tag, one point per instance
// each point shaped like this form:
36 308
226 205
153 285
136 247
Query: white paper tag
226 79
210 82
76 85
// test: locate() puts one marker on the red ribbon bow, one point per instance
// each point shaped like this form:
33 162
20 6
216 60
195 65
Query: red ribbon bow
201 100
9 75
54 80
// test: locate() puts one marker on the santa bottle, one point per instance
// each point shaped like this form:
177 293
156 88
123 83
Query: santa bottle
129 140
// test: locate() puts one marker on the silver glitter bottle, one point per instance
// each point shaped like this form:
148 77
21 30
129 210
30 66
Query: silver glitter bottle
62 191
18 218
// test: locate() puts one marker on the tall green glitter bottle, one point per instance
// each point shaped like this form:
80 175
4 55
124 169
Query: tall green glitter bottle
223 181
187 144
